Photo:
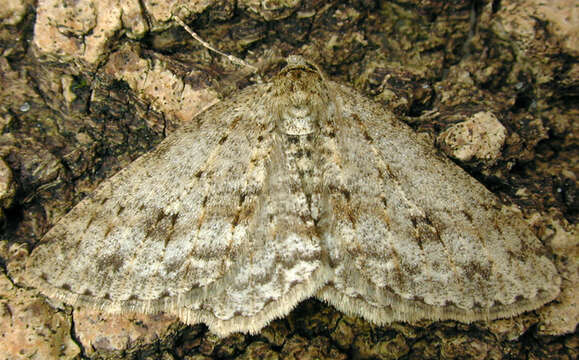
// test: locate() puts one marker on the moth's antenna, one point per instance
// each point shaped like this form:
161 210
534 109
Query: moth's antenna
231 58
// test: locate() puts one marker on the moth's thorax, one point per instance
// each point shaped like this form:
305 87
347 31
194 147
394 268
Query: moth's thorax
297 120
299 100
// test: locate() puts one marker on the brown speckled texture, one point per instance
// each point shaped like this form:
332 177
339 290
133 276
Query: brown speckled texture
69 120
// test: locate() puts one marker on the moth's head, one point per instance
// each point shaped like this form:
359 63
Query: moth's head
294 62
300 96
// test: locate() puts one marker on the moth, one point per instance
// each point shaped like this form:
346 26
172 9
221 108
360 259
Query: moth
294 188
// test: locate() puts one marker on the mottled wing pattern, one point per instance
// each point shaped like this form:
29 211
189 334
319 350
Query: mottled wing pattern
294 188
205 226
412 236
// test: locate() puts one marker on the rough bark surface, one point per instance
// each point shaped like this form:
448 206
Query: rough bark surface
88 86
